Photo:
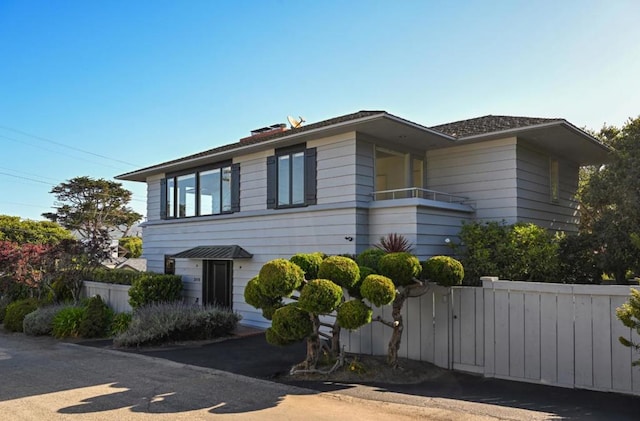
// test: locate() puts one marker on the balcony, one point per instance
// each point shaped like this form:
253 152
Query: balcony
417 192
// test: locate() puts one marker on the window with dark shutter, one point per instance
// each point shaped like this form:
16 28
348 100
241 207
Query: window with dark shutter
291 178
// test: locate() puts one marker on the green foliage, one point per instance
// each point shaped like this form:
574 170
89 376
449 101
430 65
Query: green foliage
354 314
66 322
40 321
113 276
22 231
97 318
519 252
629 315
291 323
341 270
274 339
60 291
354 291
402 268
267 311
320 296
444 270
16 312
370 258
133 246
309 263
174 321
279 278
4 302
579 259
394 243
154 288
378 289
120 323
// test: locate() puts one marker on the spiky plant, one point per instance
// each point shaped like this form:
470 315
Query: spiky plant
394 243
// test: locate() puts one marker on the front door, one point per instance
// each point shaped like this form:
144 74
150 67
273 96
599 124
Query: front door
217 282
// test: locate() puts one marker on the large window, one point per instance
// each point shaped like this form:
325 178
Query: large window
291 178
400 174
207 191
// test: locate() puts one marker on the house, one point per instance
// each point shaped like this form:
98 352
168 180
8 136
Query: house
338 185
133 264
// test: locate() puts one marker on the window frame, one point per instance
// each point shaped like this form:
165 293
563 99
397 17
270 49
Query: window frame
234 187
309 172
554 180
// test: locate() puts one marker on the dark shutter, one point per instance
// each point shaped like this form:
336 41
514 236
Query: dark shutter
272 182
163 198
310 176
235 188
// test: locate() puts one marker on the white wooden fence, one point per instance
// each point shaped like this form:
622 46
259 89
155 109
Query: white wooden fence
556 334
116 296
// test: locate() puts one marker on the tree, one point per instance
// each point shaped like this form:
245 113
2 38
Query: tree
629 315
133 246
610 201
95 209
21 231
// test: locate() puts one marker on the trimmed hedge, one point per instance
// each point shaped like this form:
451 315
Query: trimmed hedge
154 288
341 270
354 314
402 268
279 278
320 296
309 263
291 324
378 289
16 312
444 270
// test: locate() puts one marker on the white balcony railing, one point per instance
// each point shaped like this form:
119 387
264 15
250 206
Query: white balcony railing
419 193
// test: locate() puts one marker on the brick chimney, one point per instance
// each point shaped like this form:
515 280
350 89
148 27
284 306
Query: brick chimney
265 131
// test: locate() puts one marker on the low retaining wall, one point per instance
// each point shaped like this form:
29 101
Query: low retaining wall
116 296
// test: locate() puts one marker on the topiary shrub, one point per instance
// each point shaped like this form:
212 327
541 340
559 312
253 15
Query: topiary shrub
267 311
354 314
291 324
343 271
97 318
279 278
378 289
354 291
16 311
444 270
370 258
66 322
120 323
154 288
274 339
320 296
175 321
402 268
40 321
309 263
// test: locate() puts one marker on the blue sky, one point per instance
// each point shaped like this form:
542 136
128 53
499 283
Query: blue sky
135 83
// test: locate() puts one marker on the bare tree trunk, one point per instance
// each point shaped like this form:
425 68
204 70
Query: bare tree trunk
335 339
398 327
313 345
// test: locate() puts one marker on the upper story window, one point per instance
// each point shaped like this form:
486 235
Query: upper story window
291 177
209 190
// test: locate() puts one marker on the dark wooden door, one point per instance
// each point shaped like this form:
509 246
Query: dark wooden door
217 282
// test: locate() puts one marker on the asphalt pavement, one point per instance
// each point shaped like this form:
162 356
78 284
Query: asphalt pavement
250 355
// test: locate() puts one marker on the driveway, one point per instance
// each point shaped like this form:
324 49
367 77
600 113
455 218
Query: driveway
252 356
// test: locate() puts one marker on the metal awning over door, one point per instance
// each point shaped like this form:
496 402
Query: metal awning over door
214 252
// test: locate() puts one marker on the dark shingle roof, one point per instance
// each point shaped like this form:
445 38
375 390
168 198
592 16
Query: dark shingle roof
490 124
260 139
214 252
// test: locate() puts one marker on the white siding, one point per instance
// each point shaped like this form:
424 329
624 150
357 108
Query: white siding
484 172
153 197
534 200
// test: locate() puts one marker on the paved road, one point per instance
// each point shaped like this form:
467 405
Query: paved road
42 379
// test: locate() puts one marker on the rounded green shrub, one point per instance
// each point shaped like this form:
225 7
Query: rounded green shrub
320 296
354 291
279 278
155 288
444 270
66 322
267 311
378 289
402 268
309 263
354 314
120 323
97 318
274 339
291 323
16 311
40 321
370 258
341 270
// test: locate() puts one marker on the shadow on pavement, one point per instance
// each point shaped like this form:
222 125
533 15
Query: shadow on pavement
252 356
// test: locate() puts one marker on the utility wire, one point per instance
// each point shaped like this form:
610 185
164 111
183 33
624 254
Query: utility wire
67 146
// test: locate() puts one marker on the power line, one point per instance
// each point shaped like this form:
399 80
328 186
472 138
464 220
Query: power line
67 146
60 153
29 173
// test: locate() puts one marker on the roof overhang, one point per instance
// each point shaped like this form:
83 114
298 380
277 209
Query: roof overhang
559 138
214 252
381 125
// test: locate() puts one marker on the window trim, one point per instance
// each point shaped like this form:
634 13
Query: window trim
196 171
554 180
309 172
